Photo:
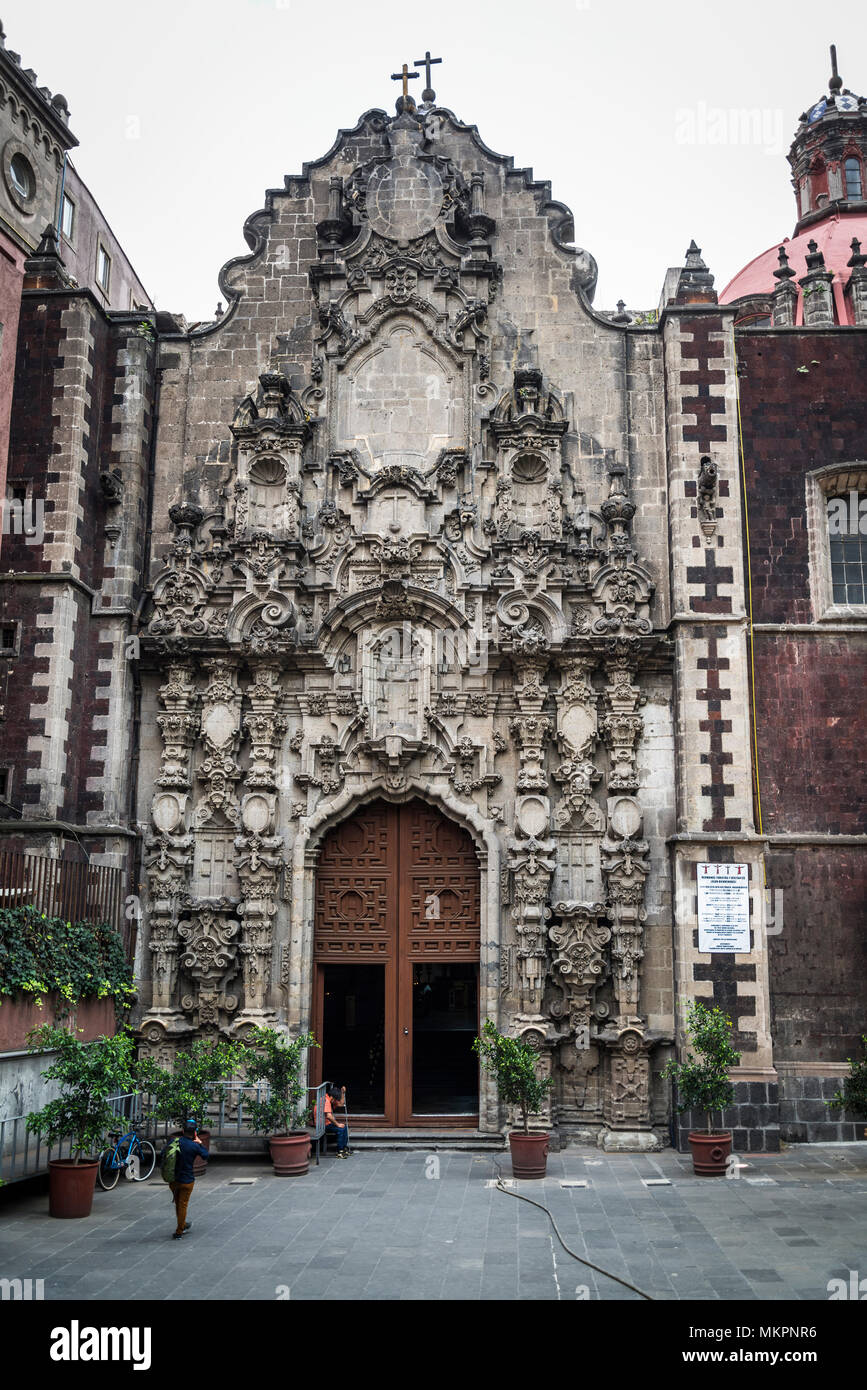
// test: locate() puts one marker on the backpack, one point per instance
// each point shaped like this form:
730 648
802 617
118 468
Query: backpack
169 1160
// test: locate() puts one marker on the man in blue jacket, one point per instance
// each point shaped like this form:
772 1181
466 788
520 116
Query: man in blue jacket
189 1149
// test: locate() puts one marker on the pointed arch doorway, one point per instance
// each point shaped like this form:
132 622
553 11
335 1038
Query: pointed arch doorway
396 966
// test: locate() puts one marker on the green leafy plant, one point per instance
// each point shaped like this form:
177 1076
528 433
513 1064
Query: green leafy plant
853 1094
273 1058
514 1062
89 1074
704 1083
41 955
195 1081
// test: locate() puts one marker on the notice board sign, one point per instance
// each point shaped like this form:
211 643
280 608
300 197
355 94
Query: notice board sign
724 908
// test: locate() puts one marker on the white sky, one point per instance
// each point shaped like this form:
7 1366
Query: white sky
187 110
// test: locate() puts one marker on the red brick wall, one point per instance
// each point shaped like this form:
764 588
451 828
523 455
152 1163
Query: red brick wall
818 957
810 725
793 422
809 689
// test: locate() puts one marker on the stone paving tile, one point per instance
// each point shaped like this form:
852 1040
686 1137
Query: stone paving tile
383 1230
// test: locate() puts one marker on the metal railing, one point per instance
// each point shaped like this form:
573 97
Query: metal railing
23 1155
75 892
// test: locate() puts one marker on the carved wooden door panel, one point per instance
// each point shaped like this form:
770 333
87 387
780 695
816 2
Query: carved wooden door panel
396 951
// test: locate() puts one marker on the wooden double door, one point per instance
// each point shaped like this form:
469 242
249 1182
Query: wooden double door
396 966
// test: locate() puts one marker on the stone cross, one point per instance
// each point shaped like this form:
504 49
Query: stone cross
404 75
427 62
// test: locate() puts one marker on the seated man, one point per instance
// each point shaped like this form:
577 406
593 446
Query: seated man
336 1095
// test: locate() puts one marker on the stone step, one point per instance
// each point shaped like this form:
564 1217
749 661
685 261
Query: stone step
423 1140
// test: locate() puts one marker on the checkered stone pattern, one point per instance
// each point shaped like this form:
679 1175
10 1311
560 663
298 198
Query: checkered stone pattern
713 735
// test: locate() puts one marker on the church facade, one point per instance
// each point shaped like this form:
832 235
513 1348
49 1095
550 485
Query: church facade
418 688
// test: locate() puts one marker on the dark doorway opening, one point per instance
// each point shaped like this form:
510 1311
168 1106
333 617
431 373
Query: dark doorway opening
354 1034
445 1013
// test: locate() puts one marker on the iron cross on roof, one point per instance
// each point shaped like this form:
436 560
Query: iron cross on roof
427 62
405 76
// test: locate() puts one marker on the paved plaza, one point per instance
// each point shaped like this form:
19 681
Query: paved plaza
426 1226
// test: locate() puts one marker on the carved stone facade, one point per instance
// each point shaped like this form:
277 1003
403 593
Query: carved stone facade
405 566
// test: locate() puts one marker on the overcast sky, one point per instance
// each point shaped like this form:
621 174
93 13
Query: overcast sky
655 122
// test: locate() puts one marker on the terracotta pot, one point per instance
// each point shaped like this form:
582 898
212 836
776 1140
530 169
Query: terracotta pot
710 1152
529 1154
290 1154
71 1186
200 1165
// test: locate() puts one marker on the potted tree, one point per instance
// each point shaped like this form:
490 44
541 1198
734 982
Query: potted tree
195 1082
704 1084
89 1075
283 1112
514 1062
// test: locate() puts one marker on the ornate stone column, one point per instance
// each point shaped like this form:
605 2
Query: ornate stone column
168 849
624 852
259 858
531 853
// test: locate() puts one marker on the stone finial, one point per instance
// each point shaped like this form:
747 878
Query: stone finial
856 289
621 316
856 260
785 271
45 267
695 284
836 82
815 258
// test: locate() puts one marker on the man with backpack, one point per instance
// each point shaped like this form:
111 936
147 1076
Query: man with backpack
176 1167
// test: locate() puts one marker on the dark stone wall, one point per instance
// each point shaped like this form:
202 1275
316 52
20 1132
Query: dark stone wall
806 1117
794 421
818 954
810 732
804 407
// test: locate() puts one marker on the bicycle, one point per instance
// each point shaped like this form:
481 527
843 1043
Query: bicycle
140 1156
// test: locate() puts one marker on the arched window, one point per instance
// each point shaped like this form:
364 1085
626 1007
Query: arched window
854 182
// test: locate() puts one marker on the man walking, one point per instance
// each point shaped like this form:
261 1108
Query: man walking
189 1149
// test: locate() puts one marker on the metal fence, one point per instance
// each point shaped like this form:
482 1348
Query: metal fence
76 892
22 1155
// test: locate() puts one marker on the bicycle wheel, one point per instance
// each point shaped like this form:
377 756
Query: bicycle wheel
109 1169
147 1160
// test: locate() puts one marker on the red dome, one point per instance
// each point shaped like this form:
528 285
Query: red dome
832 237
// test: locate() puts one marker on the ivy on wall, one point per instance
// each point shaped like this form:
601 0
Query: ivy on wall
42 955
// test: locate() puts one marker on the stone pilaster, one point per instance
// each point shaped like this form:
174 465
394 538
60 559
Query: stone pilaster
713 745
